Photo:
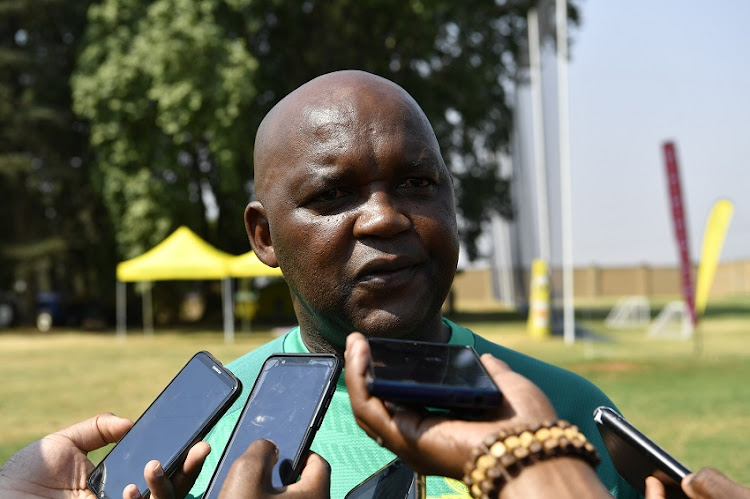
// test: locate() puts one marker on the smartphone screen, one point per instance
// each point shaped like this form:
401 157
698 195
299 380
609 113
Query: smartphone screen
435 375
395 480
637 457
180 416
287 405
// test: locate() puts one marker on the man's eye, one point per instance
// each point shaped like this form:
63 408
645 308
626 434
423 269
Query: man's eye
330 195
416 183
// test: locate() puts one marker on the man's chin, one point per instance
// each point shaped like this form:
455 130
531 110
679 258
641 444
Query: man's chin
387 324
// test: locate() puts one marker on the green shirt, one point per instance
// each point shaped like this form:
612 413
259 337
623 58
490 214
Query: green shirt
354 456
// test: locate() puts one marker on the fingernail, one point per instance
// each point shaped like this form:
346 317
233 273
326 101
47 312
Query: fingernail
134 493
158 470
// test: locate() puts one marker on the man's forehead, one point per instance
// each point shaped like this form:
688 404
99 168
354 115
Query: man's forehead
327 122
335 108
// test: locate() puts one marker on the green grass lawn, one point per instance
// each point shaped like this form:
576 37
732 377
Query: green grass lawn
694 404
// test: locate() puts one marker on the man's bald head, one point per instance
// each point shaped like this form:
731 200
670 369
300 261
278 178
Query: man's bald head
320 106
355 205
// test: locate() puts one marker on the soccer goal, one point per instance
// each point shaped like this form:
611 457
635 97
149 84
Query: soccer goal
629 312
673 322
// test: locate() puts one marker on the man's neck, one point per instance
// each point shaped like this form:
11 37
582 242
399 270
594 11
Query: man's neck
333 340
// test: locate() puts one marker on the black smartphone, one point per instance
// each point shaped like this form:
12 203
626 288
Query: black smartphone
179 417
286 405
431 375
636 456
395 480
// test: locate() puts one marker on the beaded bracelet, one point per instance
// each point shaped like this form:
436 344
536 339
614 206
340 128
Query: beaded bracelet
503 455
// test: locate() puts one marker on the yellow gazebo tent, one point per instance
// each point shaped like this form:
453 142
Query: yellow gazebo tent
248 265
182 255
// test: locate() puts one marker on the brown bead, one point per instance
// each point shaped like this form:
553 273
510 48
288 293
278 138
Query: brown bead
504 453
498 449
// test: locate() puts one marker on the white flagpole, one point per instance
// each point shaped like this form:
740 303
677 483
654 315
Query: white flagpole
561 18
537 122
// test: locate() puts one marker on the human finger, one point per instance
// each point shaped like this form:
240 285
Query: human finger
251 474
96 432
523 401
442 445
131 492
157 481
369 412
428 443
655 489
181 481
315 480
184 478
709 483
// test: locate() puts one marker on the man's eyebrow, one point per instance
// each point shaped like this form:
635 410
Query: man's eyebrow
323 175
425 159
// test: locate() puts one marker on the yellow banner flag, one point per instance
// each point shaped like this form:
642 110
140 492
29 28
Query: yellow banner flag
538 323
713 240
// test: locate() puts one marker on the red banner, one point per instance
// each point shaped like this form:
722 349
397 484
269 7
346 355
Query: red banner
678 218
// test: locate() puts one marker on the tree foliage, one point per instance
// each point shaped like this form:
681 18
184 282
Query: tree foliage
163 86
174 90
54 234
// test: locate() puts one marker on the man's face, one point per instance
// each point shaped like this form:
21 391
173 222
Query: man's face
362 218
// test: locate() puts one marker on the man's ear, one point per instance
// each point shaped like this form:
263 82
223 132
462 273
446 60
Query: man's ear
259 233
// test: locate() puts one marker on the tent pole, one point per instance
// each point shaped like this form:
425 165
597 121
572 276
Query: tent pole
148 310
226 291
121 309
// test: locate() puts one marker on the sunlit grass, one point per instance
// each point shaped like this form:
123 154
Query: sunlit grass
693 401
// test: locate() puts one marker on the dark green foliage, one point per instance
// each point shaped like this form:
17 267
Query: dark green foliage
170 85
54 234
168 95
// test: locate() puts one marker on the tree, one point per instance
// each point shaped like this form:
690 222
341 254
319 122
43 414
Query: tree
162 85
174 91
54 235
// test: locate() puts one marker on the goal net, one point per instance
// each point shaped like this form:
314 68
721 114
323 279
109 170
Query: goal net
629 312
673 322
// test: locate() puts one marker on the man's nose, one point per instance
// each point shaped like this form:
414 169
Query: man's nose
380 216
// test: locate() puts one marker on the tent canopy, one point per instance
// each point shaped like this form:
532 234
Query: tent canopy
182 255
248 265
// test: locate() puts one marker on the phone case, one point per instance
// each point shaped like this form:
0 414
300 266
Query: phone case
272 410
637 457
434 375
96 481
395 480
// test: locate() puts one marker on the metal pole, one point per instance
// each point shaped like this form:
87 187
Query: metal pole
148 309
561 18
226 291
122 303
537 122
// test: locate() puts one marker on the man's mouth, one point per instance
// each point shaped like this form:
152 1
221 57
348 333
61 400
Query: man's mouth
388 271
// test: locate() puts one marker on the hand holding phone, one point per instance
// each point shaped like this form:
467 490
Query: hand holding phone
179 417
432 375
286 405
636 457
436 443
395 480
249 476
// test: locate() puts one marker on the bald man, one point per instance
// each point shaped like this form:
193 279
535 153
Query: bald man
355 205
